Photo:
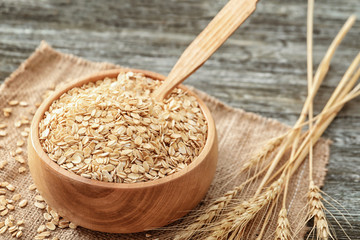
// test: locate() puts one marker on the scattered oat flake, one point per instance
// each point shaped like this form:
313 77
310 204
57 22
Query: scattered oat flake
19 150
16 197
20 159
13 102
42 235
10 207
32 187
13 229
22 170
39 198
3 125
3 163
72 225
4 184
39 205
50 226
23 104
7 111
4 212
10 187
17 124
24 134
19 234
63 223
41 228
20 222
25 121
3 229
20 143
3 133
47 216
54 214
23 203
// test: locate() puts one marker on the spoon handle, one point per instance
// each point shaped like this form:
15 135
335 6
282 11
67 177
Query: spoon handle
231 16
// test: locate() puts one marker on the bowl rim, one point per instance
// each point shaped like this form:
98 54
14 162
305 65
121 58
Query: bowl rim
35 141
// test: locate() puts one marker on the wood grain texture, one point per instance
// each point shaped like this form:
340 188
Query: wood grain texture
226 21
120 208
261 68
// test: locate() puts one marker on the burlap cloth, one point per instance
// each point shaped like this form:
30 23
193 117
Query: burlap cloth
240 133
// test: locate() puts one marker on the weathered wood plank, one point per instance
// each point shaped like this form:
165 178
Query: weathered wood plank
262 68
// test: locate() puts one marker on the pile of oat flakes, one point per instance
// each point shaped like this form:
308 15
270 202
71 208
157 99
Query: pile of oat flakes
113 131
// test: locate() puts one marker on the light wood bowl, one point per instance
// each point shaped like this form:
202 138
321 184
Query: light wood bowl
121 207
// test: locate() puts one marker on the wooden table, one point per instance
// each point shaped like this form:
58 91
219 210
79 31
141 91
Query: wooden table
261 68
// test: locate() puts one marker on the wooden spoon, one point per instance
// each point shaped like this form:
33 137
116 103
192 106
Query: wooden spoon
233 14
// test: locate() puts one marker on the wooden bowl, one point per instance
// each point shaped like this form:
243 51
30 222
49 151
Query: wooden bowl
120 207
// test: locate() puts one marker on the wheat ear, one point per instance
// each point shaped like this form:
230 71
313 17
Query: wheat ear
317 211
283 226
233 225
210 214
214 210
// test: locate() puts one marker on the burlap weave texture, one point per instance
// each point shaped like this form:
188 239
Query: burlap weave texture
240 133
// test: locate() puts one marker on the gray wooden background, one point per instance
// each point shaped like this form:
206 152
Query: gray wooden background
261 68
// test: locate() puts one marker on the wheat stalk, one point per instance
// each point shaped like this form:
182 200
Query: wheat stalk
316 207
264 153
235 222
318 78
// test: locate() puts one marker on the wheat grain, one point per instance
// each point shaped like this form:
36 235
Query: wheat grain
316 211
